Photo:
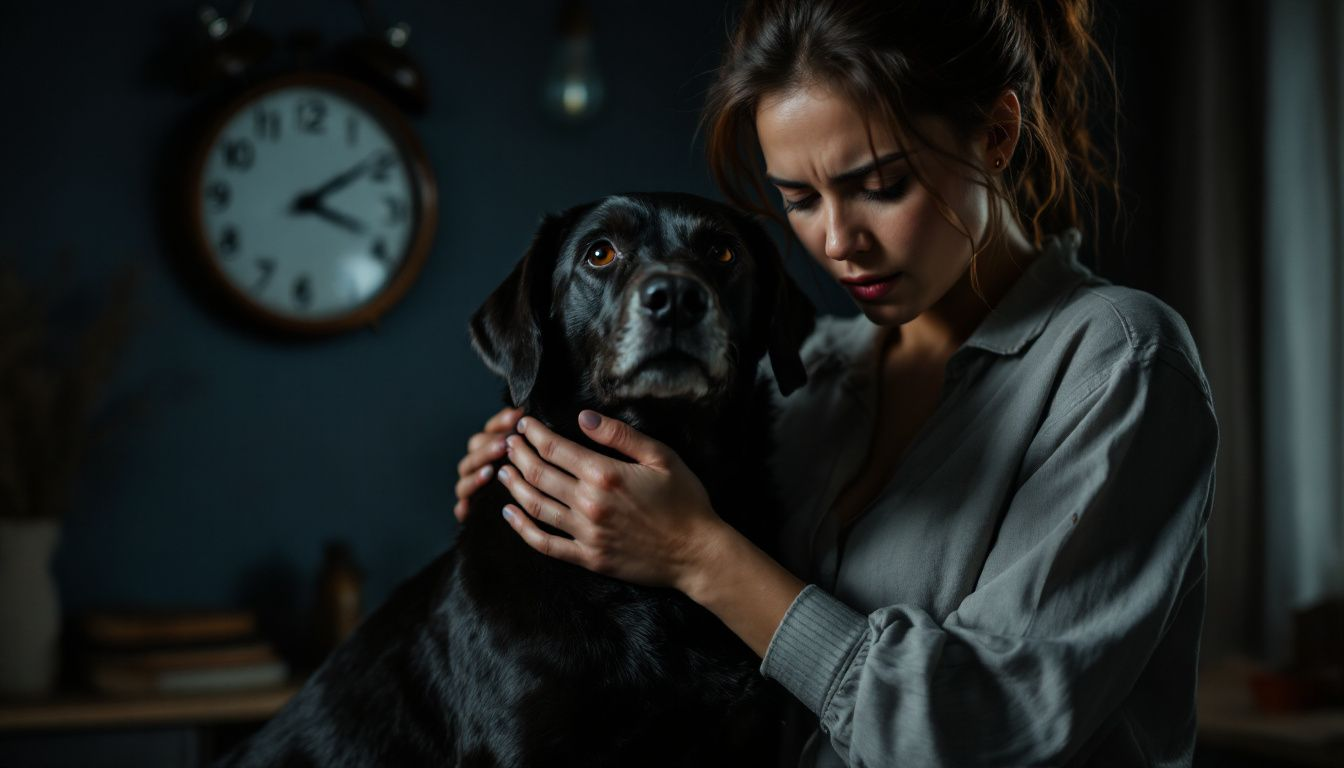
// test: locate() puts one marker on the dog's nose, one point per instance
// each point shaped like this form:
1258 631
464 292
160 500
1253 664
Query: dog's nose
674 300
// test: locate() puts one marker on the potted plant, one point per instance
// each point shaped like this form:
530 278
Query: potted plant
49 385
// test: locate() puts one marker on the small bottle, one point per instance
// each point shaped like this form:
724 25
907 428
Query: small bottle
339 585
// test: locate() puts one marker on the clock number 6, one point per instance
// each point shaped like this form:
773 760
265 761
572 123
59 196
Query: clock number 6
267 266
303 292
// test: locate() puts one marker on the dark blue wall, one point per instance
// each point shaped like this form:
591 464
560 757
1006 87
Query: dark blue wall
251 453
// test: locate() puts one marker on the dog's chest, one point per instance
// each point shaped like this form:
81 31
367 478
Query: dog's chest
594 669
580 619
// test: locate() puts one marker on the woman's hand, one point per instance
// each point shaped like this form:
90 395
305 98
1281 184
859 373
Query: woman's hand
648 523
482 449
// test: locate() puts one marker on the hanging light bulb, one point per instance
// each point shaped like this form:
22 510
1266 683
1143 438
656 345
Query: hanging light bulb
574 90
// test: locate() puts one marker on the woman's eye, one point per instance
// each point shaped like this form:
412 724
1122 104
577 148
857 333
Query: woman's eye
601 254
893 192
802 203
724 255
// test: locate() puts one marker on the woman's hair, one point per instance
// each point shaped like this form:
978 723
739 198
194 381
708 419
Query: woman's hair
898 60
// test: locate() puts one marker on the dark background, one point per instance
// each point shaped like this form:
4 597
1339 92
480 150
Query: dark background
232 457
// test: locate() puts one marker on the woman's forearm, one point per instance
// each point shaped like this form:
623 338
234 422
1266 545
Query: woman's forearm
740 584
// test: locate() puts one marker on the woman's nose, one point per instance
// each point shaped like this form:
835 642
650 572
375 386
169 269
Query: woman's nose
845 234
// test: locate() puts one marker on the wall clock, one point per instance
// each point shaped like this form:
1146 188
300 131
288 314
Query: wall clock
311 203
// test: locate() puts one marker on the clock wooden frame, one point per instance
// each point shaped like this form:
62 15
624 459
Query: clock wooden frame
424 207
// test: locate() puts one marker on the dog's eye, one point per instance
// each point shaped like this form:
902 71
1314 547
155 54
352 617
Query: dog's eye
601 254
724 255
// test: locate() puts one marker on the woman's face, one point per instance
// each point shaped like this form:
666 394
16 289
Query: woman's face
873 227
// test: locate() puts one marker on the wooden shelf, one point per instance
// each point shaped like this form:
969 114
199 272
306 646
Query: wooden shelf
93 711
1228 719
1307 738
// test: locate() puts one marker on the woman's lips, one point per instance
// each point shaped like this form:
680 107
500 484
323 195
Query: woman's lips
871 288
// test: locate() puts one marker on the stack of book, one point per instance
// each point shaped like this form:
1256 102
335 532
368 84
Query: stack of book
148 652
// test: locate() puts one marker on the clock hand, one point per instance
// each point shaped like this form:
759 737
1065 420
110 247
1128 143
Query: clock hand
336 217
314 197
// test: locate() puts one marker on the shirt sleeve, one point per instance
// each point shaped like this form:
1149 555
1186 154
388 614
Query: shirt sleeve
1105 524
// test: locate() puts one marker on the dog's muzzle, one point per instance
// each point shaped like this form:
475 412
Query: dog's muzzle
674 301
673 341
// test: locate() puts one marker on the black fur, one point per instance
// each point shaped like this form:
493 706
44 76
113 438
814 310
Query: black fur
495 655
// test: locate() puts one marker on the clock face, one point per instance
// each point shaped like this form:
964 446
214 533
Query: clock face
309 203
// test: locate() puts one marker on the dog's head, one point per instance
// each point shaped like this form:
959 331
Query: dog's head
645 297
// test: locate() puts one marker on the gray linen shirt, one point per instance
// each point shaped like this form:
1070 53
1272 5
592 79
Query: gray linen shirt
1028 589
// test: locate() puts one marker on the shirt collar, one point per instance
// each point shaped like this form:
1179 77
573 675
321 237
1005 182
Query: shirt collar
1022 313
1020 316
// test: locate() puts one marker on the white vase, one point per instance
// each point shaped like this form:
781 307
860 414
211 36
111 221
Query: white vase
30 614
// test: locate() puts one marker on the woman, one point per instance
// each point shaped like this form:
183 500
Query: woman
999 473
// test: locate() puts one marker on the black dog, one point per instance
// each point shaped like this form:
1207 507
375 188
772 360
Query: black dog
655 309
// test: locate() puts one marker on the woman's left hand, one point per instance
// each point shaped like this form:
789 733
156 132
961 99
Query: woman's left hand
648 522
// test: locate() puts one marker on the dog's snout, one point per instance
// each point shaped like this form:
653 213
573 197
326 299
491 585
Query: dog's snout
674 300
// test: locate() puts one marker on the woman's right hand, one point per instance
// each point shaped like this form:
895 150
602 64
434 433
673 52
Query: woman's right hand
482 449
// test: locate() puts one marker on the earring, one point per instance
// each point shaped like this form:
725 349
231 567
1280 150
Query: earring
998 162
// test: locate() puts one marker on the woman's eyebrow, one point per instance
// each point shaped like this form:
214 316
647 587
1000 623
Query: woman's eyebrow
850 175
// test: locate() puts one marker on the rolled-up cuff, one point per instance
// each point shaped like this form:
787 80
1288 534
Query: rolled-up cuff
813 645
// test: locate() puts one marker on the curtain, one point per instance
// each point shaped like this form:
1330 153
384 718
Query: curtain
1210 192
1303 287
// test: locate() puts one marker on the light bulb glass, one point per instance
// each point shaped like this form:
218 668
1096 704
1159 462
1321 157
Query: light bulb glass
574 90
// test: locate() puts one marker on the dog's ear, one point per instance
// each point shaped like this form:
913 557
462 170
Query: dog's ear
786 315
792 320
506 330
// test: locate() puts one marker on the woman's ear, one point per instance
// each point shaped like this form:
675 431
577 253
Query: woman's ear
785 316
506 330
1004 130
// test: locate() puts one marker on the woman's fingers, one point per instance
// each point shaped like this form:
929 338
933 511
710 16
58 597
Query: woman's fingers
536 503
483 449
503 422
484 453
468 485
545 543
566 454
624 438
482 440
539 473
